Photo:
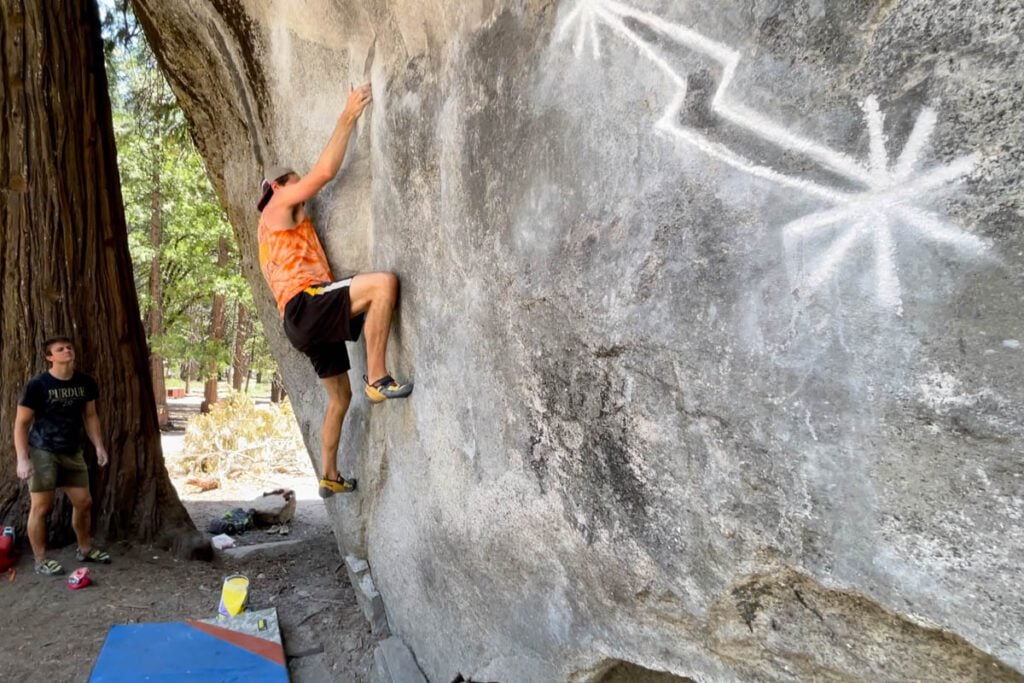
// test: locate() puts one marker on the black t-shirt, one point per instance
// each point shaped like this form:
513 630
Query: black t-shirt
59 407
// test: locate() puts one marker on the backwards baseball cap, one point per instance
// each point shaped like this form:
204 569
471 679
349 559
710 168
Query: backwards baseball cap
266 191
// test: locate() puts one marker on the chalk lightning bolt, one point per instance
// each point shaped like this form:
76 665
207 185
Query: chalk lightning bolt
890 192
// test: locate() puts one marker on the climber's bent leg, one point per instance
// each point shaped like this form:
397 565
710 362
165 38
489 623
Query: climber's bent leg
376 294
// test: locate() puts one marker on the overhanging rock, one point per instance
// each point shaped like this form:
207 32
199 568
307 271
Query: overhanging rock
713 310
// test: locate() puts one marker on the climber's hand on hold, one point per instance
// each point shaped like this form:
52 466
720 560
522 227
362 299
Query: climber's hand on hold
358 98
329 163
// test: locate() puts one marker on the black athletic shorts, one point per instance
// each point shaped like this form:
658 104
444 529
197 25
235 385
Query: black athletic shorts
318 321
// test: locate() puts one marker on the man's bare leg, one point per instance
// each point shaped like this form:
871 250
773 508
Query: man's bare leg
376 295
81 522
339 395
41 504
81 517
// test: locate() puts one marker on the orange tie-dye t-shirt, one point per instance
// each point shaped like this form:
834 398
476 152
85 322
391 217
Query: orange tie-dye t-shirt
292 260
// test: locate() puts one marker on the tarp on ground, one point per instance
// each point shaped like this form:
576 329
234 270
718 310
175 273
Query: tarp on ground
220 649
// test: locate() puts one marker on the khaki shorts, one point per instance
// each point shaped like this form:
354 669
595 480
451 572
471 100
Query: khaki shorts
51 471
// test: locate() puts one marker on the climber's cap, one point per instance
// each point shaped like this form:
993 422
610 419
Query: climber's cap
273 174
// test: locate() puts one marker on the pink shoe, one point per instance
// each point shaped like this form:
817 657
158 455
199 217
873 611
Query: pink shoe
79 579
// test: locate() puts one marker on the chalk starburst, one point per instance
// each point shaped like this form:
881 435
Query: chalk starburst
890 202
585 16
892 196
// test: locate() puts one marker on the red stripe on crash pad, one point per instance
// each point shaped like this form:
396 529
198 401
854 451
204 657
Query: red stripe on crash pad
258 646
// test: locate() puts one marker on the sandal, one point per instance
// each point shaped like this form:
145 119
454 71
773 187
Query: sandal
49 568
328 487
92 555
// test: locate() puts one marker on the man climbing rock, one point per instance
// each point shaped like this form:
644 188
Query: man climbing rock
320 313
54 407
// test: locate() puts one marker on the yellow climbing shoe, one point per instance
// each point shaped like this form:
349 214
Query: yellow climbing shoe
328 487
386 387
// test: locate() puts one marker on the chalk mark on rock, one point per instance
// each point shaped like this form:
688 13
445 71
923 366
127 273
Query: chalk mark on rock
891 192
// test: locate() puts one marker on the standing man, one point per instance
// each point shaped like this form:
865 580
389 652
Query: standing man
56 405
320 313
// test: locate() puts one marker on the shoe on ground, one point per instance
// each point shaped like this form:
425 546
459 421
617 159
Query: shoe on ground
92 555
328 487
386 387
49 568
79 579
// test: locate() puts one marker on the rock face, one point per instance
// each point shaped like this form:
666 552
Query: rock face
713 309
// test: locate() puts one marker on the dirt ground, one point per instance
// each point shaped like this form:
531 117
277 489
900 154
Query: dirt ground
50 633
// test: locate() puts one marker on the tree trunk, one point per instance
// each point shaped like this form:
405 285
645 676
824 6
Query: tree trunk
277 391
65 266
248 363
216 331
240 360
156 298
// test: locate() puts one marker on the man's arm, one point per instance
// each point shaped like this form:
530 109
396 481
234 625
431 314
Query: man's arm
22 422
92 429
330 160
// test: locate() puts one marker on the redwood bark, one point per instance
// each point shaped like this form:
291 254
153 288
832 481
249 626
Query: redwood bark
65 266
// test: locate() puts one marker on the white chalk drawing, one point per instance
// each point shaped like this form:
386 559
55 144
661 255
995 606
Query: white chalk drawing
891 193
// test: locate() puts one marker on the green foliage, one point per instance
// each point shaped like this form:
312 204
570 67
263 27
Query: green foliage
262 359
168 196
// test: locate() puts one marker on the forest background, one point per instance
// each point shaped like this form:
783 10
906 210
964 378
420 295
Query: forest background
196 308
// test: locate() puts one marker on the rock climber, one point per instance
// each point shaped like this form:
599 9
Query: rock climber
319 312
54 407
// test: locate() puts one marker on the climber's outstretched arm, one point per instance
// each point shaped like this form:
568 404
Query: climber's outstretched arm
326 168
